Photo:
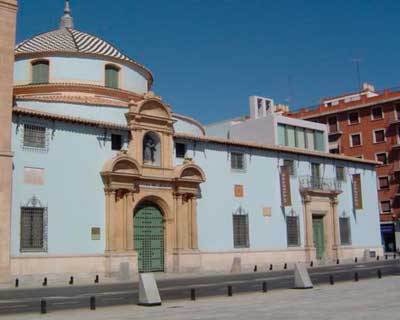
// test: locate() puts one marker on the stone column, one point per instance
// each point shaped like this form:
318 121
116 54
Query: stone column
194 235
111 222
8 12
308 228
336 228
129 222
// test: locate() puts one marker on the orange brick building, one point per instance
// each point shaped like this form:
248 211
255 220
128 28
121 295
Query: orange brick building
366 124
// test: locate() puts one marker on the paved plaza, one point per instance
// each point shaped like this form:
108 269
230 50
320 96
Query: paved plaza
367 299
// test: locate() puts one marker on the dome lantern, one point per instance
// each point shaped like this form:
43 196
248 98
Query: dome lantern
66 20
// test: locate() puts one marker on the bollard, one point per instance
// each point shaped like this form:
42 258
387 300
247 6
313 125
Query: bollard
255 268
355 259
394 256
44 282
96 280
379 274
71 280
285 266
312 264
337 261
331 281
386 256
230 292
264 287
270 267
377 258
17 283
192 294
43 307
356 276
92 303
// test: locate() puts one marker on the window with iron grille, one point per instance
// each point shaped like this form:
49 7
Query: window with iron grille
35 137
237 161
291 165
292 229
345 235
241 231
33 229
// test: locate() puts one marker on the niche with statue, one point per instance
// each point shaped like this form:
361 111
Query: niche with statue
151 149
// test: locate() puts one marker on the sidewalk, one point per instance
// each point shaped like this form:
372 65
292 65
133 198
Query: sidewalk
366 300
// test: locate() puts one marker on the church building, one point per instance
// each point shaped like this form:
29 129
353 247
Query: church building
99 175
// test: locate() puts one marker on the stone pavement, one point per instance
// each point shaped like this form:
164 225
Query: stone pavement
366 300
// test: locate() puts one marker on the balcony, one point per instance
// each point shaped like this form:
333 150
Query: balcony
319 185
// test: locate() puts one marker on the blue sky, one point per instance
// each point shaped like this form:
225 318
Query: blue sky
208 56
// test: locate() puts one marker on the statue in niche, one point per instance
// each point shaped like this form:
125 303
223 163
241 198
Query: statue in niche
149 151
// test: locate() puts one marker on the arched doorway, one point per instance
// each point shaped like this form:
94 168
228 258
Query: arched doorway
149 237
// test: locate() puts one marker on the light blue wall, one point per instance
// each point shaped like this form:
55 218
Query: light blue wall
73 189
183 126
82 70
261 189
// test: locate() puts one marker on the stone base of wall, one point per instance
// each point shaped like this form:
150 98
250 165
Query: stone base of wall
115 264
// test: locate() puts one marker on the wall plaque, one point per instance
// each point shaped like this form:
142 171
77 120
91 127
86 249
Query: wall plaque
357 192
239 192
95 233
285 186
267 212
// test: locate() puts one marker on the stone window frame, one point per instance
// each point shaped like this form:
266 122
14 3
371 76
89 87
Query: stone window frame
381 209
374 135
387 178
348 118
351 139
387 159
372 113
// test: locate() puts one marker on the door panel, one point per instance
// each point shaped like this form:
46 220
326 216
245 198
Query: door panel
319 239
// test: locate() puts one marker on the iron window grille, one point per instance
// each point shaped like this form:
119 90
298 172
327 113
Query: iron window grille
345 234
241 231
237 161
35 137
291 165
293 231
34 223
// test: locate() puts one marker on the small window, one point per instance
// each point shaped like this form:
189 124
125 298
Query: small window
112 77
40 72
382 157
377 113
386 207
32 229
379 135
353 118
237 161
340 174
291 165
315 171
241 231
34 136
355 140
333 124
345 234
180 150
292 230
116 142
383 183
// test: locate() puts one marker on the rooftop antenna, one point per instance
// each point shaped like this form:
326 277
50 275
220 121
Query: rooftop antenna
66 20
357 62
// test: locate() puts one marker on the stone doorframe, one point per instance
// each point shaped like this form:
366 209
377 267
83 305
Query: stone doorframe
321 204
126 187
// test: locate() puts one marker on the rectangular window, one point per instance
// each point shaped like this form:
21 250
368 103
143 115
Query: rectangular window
333 124
241 231
291 137
40 72
180 150
34 136
345 234
310 139
355 140
300 138
290 165
281 134
376 113
397 111
319 141
379 135
237 161
292 230
382 157
315 171
116 142
383 183
386 207
340 174
32 229
354 118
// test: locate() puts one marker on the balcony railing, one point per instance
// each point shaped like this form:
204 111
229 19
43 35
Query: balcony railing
320 184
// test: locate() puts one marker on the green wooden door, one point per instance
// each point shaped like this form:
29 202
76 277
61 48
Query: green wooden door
149 238
319 241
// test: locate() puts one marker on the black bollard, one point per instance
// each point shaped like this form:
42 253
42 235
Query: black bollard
270 267
17 283
264 287
356 276
92 303
386 256
230 292
285 266
71 280
355 259
379 274
192 294
394 256
331 281
377 258
312 264
96 280
255 268
337 261
44 282
43 307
